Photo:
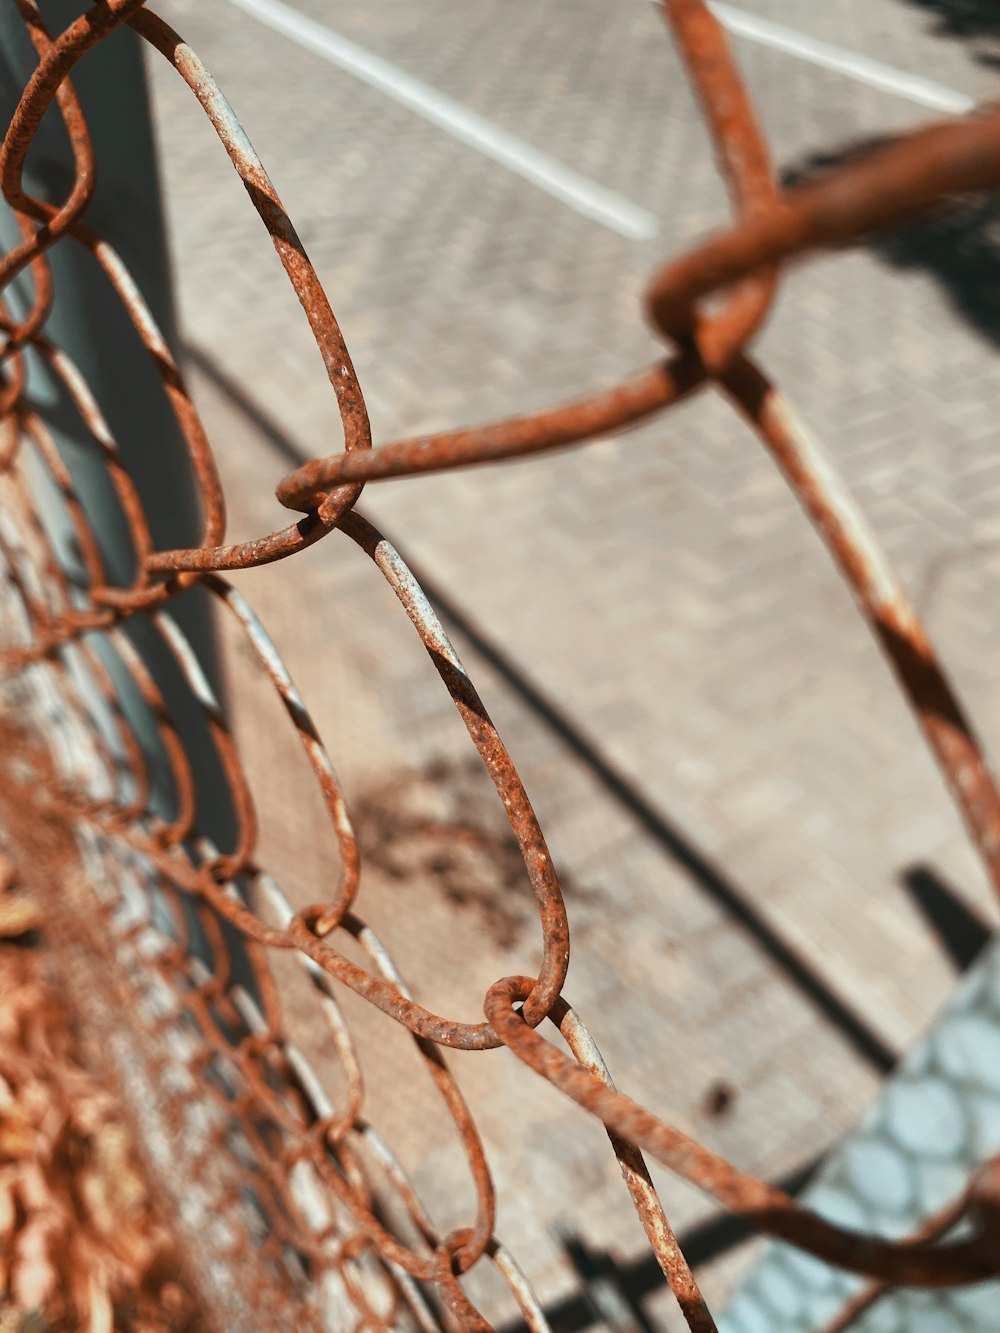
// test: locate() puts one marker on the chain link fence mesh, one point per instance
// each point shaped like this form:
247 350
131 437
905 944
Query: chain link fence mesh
178 947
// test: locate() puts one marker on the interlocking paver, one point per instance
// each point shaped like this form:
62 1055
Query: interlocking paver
662 591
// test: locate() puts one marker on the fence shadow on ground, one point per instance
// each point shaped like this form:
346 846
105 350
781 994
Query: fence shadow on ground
609 1285
968 20
958 246
960 931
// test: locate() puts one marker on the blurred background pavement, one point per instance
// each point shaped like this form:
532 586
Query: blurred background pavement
769 890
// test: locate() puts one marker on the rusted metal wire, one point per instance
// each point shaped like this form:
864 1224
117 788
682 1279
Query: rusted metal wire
305 1177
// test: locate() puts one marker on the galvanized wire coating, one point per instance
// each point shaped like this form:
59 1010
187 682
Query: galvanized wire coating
315 1169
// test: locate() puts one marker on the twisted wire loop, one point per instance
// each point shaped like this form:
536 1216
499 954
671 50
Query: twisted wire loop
297 1202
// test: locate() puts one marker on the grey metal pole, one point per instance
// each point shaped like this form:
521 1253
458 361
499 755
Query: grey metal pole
88 321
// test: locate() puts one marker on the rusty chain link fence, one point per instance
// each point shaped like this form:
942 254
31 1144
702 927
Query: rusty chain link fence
185 955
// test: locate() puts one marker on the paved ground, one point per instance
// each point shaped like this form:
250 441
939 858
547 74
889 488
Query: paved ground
751 834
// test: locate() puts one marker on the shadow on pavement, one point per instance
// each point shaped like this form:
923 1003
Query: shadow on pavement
958 244
960 932
612 1286
968 19
612 1292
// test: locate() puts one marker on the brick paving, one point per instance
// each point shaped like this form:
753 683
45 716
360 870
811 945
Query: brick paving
729 781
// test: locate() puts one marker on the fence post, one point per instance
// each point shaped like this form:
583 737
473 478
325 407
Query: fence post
89 323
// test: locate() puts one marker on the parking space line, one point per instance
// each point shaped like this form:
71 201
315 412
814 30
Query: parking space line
612 210
594 201
860 68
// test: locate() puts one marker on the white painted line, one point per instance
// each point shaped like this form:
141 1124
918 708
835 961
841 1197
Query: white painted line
924 91
611 210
